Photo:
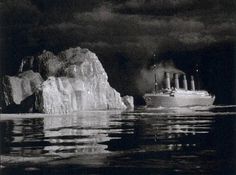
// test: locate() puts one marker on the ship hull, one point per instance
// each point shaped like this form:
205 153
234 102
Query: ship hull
155 100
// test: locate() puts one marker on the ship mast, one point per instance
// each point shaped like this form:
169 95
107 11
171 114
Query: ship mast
155 73
196 71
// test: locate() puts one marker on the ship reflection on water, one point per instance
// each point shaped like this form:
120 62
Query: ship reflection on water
135 142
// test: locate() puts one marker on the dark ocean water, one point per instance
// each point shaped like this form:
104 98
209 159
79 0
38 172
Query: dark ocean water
161 141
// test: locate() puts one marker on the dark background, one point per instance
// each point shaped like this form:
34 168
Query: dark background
125 34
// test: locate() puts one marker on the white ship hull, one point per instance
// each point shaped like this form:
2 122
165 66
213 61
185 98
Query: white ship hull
189 98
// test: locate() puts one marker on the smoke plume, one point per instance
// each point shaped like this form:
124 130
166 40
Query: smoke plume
146 78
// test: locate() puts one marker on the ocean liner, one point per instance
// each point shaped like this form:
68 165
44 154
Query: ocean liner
176 96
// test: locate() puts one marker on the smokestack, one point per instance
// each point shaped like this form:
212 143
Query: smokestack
192 83
177 81
156 84
167 78
185 83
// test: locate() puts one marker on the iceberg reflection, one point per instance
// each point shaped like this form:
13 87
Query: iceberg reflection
80 133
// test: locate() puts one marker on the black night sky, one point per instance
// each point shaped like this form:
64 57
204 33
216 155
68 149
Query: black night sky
125 34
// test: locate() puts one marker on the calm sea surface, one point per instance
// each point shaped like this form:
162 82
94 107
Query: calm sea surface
161 141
